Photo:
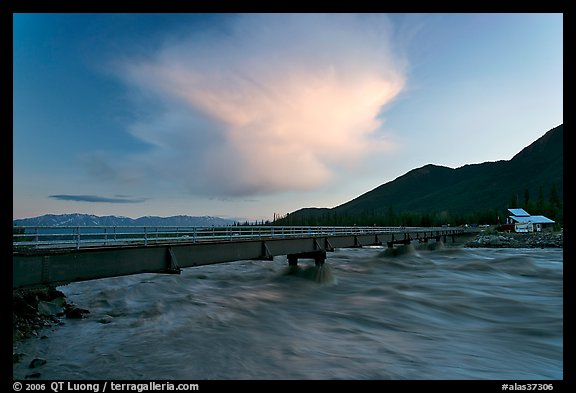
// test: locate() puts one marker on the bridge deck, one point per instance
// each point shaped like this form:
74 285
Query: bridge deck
56 255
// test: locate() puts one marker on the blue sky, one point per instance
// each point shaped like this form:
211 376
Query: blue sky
247 115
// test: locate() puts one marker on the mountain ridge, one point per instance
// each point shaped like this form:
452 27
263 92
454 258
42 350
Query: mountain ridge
537 168
79 219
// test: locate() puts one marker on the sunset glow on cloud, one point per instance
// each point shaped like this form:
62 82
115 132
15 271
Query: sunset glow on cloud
277 103
255 115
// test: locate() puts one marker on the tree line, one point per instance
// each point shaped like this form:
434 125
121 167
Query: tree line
550 206
391 218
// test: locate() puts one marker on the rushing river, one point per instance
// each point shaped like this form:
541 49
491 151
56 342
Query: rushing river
448 313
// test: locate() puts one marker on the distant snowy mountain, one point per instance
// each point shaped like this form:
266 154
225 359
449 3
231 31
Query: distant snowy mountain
92 220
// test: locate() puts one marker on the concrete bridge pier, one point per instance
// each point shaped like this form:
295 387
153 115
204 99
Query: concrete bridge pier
405 241
318 256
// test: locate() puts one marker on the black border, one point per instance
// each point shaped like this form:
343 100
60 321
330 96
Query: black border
8 7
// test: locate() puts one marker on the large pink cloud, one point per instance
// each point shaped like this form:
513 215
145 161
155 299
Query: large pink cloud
280 102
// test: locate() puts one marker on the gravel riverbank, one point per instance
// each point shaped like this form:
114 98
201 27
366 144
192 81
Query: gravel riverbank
518 240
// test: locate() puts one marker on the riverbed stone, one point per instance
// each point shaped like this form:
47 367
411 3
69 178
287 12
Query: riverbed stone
49 308
76 312
16 357
106 319
37 362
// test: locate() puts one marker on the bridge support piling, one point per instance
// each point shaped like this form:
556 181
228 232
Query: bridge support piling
327 245
172 267
292 260
266 255
318 256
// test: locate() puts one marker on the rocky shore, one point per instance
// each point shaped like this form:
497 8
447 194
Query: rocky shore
518 240
37 309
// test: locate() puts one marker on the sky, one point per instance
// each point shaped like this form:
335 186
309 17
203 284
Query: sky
245 116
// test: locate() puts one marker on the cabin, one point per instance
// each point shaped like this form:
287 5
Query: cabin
521 221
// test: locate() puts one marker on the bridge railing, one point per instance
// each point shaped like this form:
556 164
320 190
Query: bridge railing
32 237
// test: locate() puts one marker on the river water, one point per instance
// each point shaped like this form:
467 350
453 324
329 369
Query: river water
368 313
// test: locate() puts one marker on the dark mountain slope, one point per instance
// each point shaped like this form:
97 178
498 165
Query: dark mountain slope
476 187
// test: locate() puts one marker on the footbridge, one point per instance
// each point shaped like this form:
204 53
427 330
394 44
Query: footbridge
59 255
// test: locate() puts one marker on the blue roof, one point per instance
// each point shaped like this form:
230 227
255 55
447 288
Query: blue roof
534 219
540 220
519 212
